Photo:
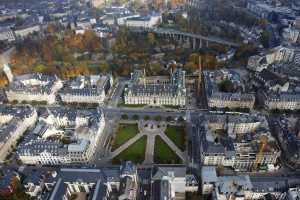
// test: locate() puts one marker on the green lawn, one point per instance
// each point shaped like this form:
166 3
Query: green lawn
124 133
177 135
163 154
134 153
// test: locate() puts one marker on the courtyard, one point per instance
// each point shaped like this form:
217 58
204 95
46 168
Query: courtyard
149 142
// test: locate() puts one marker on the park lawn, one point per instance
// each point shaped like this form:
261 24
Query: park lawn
134 153
163 154
177 135
124 133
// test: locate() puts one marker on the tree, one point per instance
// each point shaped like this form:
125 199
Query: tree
157 118
263 23
124 116
151 38
265 38
40 68
155 68
180 119
146 117
169 118
121 45
226 86
135 117
104 67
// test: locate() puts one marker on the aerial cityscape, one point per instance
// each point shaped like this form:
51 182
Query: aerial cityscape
149 100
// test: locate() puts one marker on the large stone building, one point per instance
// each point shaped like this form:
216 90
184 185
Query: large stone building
172 182
34 87
114 182
282 101
63 136
156 90
6 34
143 21
234 140
216 98
223 187
14 121
271 56
86 89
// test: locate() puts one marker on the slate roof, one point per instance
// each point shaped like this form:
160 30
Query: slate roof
160 172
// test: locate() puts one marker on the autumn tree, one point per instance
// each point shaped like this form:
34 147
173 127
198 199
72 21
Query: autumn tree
151 38
121 44
104 67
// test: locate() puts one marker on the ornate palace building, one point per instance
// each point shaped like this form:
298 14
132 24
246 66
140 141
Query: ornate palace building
156 90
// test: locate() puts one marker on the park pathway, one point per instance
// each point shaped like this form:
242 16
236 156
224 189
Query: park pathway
149 154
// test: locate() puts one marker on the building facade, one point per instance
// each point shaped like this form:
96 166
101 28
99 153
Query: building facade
63 136
229 99
34 87
156 91
83 89
14 121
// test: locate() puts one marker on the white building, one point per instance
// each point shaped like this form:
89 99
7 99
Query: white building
171 183
86 89
97 3
6 34
271 56
291 35
282 101
102 183
231 99
143 21
241 187
22 32
63 136
156 90
264 10
294 194
14 121
34 87
235 141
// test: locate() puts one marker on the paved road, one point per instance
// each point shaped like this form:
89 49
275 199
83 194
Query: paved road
117 93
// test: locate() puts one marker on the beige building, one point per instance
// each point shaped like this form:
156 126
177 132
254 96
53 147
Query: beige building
63 136
34 87
14 121
156 91
86 89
